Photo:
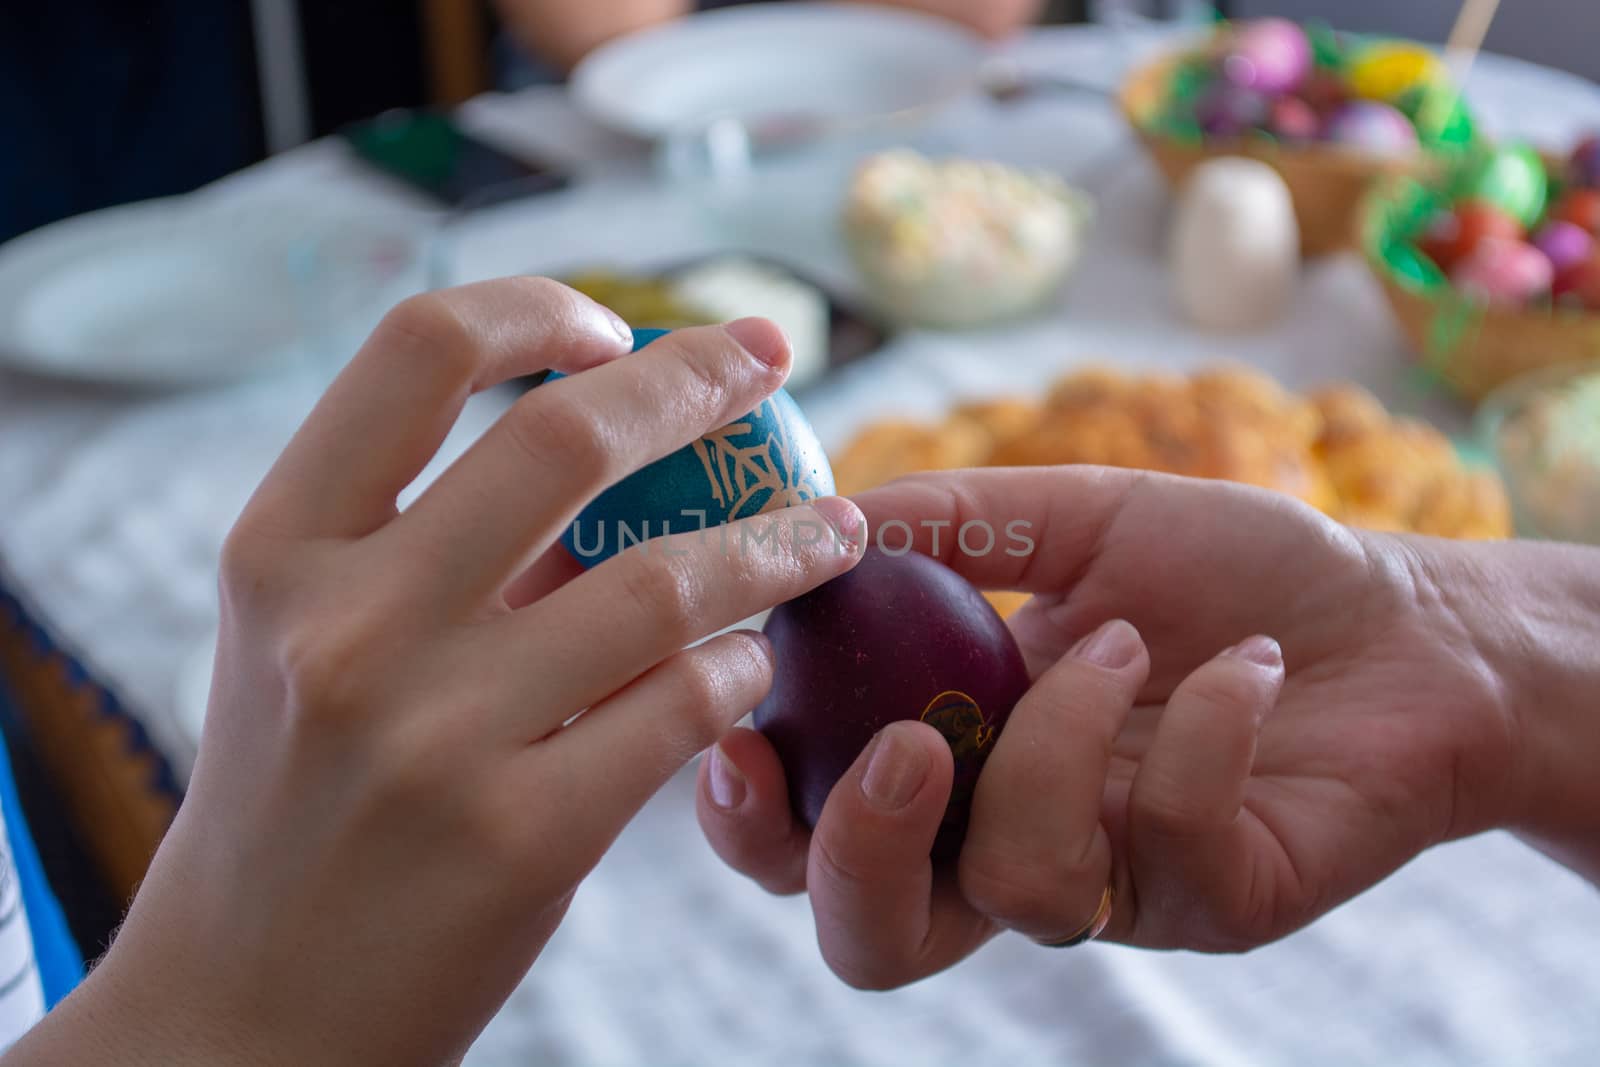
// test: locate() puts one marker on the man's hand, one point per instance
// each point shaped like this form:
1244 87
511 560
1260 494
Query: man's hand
1227 801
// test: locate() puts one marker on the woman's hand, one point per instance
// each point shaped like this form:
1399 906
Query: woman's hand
427 727
1226 803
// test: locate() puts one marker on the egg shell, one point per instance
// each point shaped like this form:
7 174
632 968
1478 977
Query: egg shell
1228 111
1578 286
1235 245
1565 243
1268 56
1372 127
1294 121
768 460
1388 70
1512 178
1581 207
900 637
1504 273
1583 169
1453 235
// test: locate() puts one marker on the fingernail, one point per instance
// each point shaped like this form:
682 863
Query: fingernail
1262 651
1113 646
845 520
727 784
762 339
895 771
623 331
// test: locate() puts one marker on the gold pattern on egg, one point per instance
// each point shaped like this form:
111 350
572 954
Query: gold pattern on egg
738 472
958 717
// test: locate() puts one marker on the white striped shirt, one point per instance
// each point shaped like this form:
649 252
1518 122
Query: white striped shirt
21 993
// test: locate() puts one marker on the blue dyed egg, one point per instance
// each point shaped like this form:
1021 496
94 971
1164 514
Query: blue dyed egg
768 460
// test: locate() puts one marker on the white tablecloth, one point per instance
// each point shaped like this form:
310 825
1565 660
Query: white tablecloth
112 508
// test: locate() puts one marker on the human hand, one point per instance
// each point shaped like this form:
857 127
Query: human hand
396 794
1225 803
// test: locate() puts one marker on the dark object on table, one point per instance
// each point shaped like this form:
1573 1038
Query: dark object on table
428 151
898 638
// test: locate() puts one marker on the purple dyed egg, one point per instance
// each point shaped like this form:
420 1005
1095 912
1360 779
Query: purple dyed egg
898 638
1564 243
1504 274
1269 56
1584 168
1294 121
1372 127
1228 111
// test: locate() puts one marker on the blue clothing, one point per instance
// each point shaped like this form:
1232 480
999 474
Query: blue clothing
108 101
59 962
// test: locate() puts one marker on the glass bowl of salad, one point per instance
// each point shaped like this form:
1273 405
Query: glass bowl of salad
1543 430
961 243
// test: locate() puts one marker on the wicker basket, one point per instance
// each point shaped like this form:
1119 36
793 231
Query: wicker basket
1475 350
1326 182
1471 348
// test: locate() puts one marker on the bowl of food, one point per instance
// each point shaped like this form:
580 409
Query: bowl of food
1332 113
960 243
1493 270
1543 430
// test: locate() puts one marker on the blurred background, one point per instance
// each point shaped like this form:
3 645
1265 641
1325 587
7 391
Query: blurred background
997 232
266 75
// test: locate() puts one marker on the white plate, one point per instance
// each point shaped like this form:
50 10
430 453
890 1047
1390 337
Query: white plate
184 292
778 61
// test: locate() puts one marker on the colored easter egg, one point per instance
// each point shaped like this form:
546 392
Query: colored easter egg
1583 169
1268 56
1293 120
900 637
768 460
1581 207
1504 274
1512 178
1578 286
1388 70
1565 243
1374 128
1227 111
1453 235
